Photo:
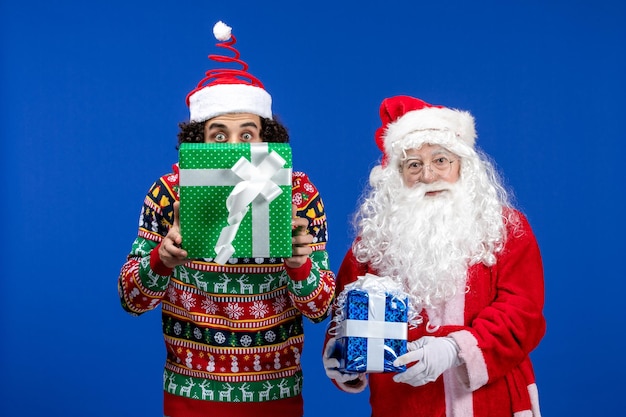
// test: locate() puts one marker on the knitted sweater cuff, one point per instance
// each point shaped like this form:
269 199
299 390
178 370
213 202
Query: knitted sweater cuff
157 265
300 273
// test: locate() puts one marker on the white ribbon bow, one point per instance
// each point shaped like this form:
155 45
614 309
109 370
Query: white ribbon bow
256 181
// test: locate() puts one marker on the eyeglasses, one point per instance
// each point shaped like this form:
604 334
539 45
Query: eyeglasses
439 166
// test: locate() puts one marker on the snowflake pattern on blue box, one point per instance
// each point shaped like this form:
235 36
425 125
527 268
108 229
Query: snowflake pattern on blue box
354 349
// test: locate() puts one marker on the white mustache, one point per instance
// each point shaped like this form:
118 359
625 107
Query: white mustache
422 188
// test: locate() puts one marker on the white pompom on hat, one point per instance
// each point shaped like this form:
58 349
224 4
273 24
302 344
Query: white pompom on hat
409 122
228 90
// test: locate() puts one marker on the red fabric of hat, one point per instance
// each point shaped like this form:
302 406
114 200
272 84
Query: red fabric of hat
408 122
228 90
393 108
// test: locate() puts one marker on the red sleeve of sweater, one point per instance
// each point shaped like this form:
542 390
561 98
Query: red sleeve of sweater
157 265
301 273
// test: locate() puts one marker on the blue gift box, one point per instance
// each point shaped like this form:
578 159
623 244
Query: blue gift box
373 332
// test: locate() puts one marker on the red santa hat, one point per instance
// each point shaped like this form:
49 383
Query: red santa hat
228 90
409 122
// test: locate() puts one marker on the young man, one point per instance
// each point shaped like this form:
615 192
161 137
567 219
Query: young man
233 331
437 220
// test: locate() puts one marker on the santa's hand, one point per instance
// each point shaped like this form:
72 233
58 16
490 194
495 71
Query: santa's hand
349 382
433 356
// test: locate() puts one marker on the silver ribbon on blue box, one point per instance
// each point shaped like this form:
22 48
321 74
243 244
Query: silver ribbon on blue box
372 325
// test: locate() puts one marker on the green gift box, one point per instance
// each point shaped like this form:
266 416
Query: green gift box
235 200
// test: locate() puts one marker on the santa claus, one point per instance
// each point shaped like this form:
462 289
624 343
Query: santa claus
437 220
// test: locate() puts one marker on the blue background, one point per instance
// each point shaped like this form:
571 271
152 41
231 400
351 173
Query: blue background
92 92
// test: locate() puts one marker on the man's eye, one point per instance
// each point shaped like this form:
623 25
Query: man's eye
220 137
246 137
441 161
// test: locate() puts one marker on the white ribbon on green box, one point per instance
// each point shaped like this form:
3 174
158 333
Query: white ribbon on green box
257 182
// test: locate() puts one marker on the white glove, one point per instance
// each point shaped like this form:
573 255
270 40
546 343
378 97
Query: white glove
433 355
349 382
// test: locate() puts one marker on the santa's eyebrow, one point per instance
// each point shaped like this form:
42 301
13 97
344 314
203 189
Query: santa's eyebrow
440 150
412 158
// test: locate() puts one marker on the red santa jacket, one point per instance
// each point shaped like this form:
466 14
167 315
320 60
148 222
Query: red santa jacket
496 323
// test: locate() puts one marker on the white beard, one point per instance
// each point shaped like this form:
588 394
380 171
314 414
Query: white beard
425 242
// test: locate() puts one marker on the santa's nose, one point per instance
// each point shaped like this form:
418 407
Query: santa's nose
427 175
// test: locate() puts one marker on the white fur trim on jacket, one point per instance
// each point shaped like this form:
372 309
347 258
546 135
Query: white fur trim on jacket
476 374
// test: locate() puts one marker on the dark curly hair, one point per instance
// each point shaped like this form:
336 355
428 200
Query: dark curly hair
271 131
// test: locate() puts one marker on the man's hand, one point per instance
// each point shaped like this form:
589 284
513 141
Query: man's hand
300 241
170 251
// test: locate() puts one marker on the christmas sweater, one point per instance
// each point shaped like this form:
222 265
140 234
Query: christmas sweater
233 333
496 322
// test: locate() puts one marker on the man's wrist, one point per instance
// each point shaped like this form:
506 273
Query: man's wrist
299 273
157 265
